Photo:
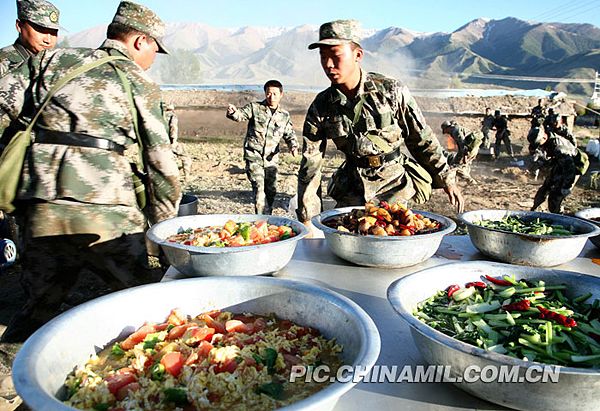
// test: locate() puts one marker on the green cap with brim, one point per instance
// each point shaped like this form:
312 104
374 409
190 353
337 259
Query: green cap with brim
338 32
142 19
40 12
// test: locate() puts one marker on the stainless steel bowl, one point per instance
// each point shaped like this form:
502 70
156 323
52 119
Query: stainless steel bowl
46 358
188 205
526 249
576 389
588 214
378 251
207 261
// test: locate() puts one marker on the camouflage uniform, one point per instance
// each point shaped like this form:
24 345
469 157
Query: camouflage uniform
468 143
560 158
486 126
184 162
265 130
40 12
44 14
502 135
78 200
388 118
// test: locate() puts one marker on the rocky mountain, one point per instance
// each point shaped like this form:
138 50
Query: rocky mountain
476 53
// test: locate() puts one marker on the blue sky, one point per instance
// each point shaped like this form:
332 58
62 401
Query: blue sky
425 16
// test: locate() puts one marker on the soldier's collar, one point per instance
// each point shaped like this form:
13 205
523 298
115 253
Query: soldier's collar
21 49
116 45
264 103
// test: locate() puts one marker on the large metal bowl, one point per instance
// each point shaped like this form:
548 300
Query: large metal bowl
378 251
588 214
51 353
209 261
526 249
577 388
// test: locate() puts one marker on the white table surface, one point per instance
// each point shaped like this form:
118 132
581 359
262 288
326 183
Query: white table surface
313 262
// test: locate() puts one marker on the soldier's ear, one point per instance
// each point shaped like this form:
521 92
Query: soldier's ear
358 54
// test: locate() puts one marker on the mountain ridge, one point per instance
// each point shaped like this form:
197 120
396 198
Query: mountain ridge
509 46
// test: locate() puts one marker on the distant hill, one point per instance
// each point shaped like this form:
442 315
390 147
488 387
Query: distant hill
475 53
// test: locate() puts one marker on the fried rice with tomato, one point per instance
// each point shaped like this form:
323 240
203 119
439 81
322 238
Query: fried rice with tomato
216 360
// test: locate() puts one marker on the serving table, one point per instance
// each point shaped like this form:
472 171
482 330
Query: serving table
313 262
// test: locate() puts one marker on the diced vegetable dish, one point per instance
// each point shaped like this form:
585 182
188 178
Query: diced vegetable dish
216 360
529 320
233 234
516 224
383 220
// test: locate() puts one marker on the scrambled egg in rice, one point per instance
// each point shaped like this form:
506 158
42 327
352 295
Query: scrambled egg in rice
216 360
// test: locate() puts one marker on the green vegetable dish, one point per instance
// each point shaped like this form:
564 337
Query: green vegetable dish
515 224
528 320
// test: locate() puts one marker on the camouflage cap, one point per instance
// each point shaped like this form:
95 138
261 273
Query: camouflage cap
338 32
142 19
40 12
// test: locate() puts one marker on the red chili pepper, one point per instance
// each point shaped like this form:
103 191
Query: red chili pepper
384 204
476 284
522 305
546 314
452 289
381 223
497 281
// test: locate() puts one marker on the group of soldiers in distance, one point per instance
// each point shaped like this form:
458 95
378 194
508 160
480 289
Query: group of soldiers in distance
552 149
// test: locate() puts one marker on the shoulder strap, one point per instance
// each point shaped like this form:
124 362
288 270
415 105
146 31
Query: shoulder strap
68 77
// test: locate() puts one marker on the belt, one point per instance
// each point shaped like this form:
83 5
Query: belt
43 136
377 160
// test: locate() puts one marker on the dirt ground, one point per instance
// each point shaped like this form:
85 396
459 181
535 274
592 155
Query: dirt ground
219 180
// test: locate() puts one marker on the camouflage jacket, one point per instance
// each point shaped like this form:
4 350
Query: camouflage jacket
12 57
487 122
95 104
468 142
265 131
389 117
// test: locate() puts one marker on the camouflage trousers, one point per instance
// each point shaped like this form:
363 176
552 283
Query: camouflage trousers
460 167
53 265
184 162
503 136
264 185
486 141
557 185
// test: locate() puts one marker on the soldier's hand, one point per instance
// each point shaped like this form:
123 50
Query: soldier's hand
311 228
455 197
231 109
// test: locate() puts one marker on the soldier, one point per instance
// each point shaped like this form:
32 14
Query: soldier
77 189
486 127
37 24
268 123
565 163
178 149
538 114
468 143
551 121
502 134
368 117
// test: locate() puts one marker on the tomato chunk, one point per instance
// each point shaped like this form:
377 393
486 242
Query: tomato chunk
138 336
176 317
117 381
173 362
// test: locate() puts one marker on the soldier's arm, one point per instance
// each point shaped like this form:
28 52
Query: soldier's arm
13 90
241 114
420 139
162 188
289 136
309 174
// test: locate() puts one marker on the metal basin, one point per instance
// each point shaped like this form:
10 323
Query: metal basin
576 389
588 214
46 358
188 205
526 249
206 261
378 251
